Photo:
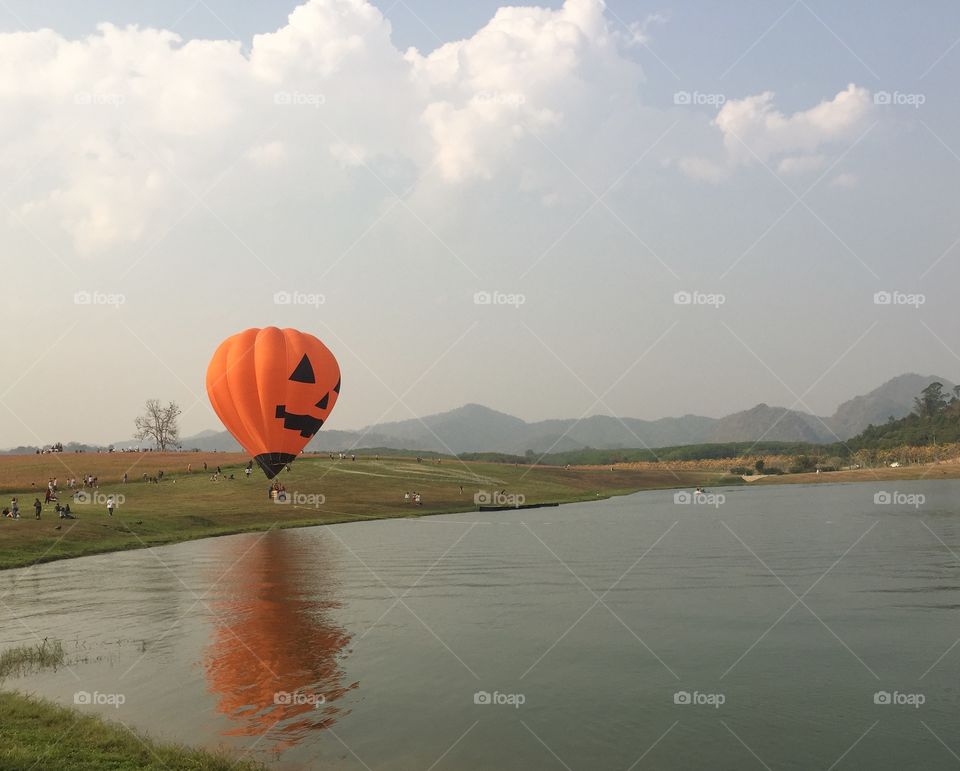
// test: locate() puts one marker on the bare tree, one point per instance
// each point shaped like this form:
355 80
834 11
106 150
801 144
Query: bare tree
159 423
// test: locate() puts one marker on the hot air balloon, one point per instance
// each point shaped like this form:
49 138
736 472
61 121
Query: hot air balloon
273 389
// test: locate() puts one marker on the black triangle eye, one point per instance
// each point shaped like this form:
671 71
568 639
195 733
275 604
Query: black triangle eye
322 404
337 386
304 372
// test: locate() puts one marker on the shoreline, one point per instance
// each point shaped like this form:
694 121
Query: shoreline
35 738
851 476
296 525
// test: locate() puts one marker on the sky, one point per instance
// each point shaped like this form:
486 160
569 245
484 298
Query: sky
575 208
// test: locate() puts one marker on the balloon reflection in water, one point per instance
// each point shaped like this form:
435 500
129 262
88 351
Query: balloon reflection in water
274 660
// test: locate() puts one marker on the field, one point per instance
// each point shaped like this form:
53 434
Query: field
881 474
321 491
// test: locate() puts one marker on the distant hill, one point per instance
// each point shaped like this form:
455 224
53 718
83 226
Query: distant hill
771 423
894 399
935 421
474 428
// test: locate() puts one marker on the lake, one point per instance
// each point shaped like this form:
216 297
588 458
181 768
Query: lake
786 627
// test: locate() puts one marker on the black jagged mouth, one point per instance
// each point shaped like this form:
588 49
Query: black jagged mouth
307 425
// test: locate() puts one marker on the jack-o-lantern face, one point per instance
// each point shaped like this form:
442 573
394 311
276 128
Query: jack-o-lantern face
306 424
273 389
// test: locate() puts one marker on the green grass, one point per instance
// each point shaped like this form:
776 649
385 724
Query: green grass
188 506
36 734
27 658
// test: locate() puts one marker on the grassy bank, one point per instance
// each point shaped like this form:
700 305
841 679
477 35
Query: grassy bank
186 506
36 734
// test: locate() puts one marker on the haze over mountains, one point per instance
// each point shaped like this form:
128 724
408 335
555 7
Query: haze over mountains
475 428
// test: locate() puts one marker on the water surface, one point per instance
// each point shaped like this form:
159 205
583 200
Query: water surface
784 612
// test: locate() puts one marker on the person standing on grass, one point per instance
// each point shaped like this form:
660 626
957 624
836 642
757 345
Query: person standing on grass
15 508
37 507
248 471
109 505
124 477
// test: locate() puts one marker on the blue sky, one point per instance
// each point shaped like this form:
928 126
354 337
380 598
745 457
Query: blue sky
172 175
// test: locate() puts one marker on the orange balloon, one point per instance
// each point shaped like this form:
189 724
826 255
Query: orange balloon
273 389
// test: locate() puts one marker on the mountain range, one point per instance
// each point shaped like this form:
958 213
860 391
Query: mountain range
475 428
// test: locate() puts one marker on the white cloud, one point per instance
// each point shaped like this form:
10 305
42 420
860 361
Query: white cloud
846 179
755 131
113 134
140 121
